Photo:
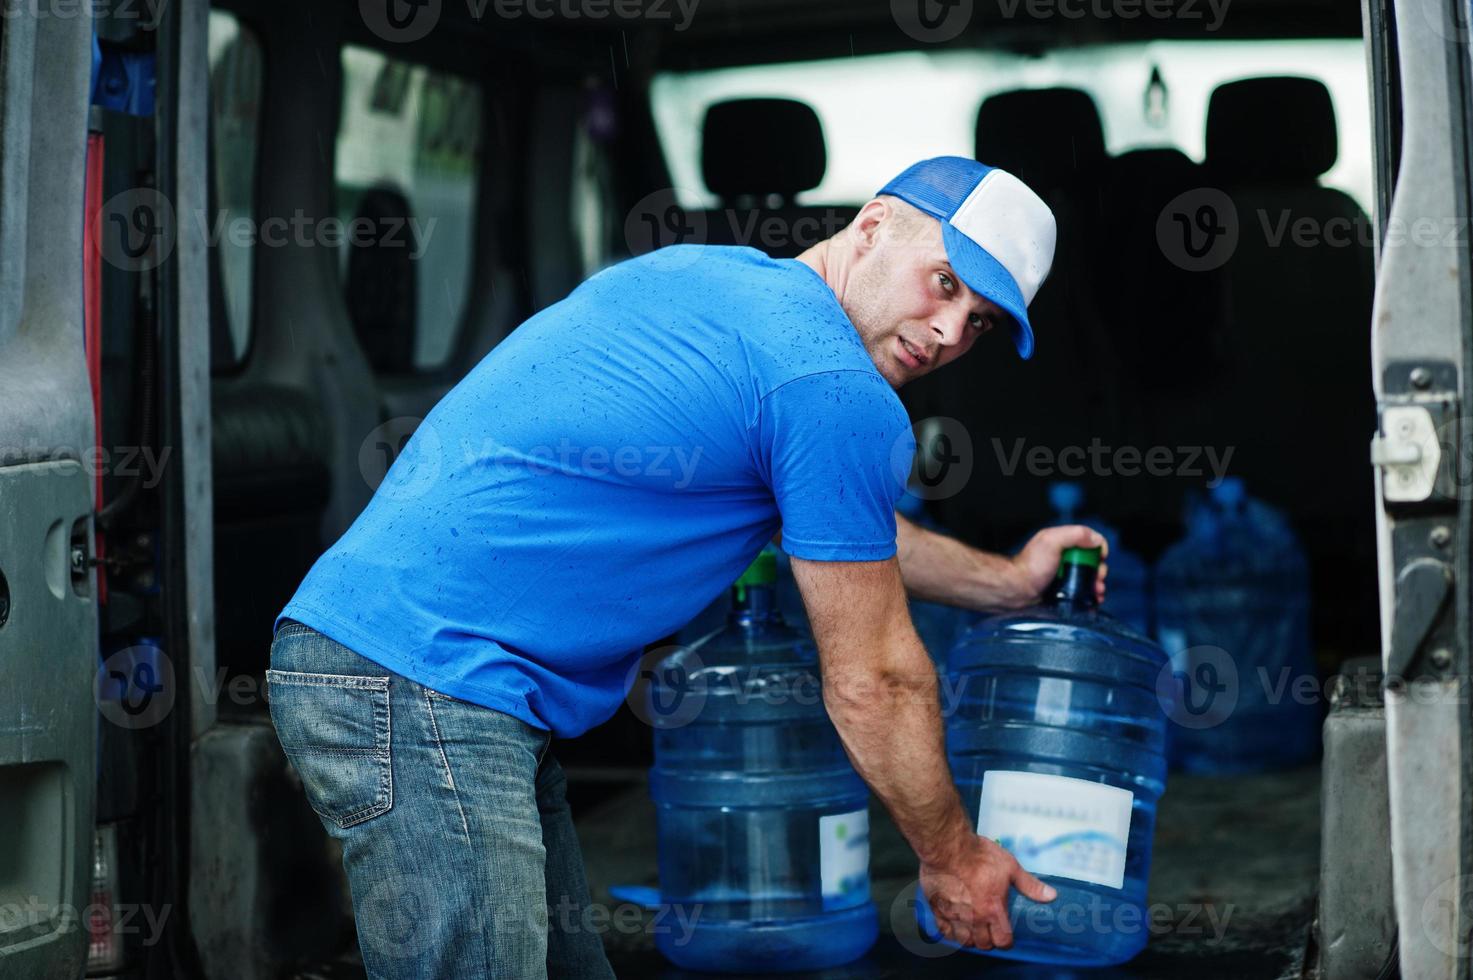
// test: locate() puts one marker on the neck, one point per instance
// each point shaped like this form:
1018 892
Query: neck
1075 588
831 264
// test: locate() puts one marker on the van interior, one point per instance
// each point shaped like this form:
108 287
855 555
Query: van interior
511 151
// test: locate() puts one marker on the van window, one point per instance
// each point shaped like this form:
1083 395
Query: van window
235 116
929 103
411 131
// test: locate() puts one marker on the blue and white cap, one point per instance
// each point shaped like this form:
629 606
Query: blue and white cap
999 235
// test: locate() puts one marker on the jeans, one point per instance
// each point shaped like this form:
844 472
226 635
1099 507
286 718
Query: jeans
456 835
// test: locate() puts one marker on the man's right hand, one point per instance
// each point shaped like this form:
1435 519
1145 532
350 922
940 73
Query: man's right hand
968 896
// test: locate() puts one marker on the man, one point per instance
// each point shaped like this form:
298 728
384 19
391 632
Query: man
587 489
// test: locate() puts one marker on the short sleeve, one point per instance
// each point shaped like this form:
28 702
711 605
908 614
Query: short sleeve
829 443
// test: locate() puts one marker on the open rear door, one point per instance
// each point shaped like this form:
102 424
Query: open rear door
1419 56
48 619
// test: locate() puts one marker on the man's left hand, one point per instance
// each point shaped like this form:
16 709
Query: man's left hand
1038 563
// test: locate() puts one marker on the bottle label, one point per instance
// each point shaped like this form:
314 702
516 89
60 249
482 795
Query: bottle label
1058 825
843 858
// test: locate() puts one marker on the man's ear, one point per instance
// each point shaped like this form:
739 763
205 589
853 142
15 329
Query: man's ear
864 230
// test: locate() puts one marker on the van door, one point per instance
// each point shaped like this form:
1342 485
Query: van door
48 618
1419 53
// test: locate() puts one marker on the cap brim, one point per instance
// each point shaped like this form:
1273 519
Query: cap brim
987 277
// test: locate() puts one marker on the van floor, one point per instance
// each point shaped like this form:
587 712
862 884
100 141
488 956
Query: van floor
1231 894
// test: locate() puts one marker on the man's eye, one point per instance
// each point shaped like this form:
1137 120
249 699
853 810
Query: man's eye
946 282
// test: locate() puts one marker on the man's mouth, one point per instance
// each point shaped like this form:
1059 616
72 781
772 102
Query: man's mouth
912 355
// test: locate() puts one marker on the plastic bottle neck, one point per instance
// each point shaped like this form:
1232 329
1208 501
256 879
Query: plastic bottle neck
754 604
1074 587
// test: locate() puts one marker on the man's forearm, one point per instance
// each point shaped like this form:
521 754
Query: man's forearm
890 723
938 568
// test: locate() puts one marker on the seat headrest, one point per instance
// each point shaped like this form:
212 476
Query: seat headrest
1276 128
762 146
1049 137
381 290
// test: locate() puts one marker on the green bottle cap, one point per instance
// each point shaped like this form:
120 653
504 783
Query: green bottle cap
762 571
1079 556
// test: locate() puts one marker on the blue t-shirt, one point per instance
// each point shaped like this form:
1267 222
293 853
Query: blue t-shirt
605 472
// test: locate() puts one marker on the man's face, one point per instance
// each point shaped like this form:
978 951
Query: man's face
912 311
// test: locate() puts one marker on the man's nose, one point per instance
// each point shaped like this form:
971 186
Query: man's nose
949 328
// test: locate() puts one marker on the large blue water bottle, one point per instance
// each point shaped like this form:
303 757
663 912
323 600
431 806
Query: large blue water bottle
1232 610
1057 747
1129 598
763 824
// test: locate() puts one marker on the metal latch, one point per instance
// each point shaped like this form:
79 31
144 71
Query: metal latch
1407 452
1423 589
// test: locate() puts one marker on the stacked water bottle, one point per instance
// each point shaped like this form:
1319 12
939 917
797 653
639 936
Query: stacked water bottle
1058 735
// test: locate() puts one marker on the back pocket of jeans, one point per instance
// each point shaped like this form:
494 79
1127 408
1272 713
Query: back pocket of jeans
335 730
